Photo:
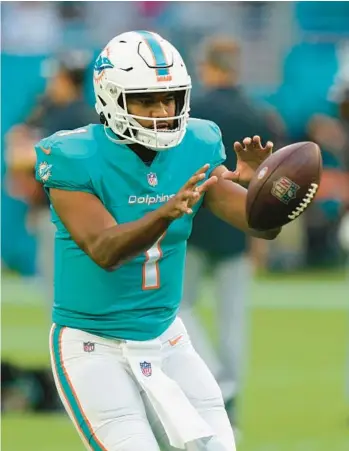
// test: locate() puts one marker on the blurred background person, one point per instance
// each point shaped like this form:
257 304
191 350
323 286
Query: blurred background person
322 221
340 95
331 132
214 247
61 107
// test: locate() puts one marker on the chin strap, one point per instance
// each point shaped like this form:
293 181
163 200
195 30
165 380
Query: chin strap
124 141
116 141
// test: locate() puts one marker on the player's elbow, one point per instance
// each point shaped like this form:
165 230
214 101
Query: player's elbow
106 261
107 264
103 253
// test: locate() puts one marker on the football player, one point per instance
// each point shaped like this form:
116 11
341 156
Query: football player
123 197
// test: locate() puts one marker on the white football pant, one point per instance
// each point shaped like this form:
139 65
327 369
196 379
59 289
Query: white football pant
107 404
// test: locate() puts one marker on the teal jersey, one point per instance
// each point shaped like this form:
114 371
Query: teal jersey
140 299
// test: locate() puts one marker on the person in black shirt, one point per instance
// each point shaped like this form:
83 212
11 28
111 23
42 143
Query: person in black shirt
214 245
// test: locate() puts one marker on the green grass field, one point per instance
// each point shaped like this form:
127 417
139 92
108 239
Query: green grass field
294 394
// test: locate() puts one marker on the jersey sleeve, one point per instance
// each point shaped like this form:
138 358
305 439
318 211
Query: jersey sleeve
60 166
218 156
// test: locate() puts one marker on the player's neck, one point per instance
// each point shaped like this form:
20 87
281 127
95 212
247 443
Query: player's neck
145 154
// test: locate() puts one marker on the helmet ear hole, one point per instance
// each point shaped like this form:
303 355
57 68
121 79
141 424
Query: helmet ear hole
103 119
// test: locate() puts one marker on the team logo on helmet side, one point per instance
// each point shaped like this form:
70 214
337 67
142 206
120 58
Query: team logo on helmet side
102 63
146 368
152 179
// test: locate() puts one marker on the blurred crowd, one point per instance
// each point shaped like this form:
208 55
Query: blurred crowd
277 69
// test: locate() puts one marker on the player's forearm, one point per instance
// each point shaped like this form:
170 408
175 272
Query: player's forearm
125 241
227 201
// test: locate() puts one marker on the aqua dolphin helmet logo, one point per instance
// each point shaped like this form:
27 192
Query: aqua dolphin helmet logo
102 63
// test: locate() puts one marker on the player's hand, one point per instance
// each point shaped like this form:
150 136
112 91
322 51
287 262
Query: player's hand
250 154
188 195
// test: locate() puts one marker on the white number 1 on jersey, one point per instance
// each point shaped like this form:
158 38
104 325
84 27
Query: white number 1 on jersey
151 270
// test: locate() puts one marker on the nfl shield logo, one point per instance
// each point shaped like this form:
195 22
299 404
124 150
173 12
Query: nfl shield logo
285 190
146 368
89 346
152 179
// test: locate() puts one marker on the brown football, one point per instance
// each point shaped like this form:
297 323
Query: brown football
284 185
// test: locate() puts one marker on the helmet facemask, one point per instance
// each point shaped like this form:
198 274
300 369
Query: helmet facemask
127 126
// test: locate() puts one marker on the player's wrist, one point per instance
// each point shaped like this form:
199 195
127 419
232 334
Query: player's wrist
164 214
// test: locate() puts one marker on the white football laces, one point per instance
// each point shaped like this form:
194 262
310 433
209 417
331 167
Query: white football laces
305 202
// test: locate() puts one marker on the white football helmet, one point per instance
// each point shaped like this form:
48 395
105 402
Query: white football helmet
141 62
